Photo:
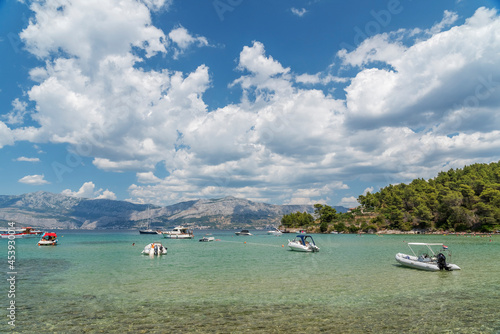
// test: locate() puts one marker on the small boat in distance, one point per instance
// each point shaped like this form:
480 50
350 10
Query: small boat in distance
207 239
275 231
243 232
25 232
154 249
48 239
148 229
303 243
426 258
179 232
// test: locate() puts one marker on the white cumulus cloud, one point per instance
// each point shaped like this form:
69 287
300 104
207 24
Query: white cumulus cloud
183 39
147 177
281 135
417 103
6 135
34 180
87 190
349 202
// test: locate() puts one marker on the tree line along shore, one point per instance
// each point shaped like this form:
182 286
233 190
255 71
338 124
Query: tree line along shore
462 201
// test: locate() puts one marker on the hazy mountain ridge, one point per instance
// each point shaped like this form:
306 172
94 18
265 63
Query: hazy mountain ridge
48 210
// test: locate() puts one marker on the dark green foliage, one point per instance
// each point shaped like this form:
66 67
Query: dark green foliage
465 199
297 219
326 216
325 213
323 227
340 227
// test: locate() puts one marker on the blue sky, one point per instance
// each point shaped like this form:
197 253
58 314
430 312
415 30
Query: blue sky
284 102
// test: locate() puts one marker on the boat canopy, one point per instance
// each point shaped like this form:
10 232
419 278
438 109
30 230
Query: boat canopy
50 234
303 238
428 245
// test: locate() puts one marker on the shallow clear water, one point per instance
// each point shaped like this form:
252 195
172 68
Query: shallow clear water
96 281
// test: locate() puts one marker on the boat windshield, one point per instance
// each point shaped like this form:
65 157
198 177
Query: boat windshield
424 249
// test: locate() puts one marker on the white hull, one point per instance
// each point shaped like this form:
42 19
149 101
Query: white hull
243 232
177 236
47 243
27 232
417 263
301 248
20 235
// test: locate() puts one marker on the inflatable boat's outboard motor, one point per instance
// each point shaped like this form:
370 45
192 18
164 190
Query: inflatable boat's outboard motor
441 261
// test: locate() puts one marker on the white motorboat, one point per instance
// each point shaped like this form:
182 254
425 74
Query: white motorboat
303 243
275 231
48 239
179 232
25 232
426 258
243 232
155 249
207 239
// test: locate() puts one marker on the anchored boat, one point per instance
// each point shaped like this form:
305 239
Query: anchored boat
303 243
275 231
427 258
179 232
243 232
25 232
48 239
148 229
155 249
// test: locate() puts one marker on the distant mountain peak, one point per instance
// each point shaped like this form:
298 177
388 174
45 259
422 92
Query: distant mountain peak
47 210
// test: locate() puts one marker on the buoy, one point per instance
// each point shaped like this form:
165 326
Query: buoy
282 245
245 242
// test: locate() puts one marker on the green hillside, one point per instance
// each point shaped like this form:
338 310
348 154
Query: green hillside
458 200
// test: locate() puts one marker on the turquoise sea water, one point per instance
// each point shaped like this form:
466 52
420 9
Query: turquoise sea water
96 281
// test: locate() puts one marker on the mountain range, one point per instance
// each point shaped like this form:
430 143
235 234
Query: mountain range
56 211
